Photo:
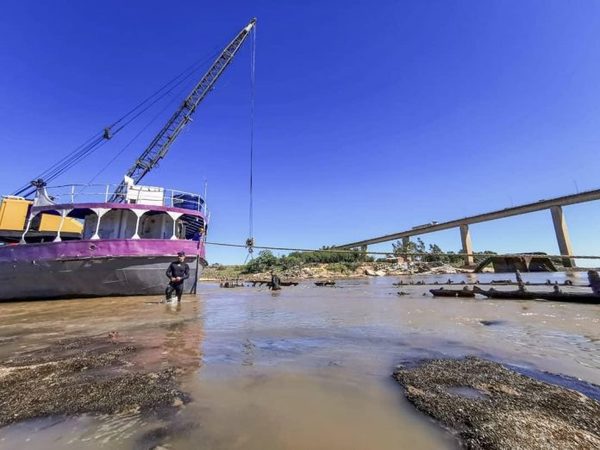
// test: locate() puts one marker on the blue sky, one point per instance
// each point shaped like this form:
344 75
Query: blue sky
371 117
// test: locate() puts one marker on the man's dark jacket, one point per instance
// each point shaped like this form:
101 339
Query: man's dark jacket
177 269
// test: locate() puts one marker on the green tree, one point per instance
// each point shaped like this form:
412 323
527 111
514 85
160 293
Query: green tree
264 262
435 255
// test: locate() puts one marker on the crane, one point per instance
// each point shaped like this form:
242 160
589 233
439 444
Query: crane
159 146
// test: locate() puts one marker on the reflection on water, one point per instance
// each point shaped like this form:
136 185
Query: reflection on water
308 368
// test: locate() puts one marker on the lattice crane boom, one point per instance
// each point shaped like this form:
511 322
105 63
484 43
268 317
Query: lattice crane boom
159 146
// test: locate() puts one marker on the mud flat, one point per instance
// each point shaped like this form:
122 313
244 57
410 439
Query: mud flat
82 375
488 406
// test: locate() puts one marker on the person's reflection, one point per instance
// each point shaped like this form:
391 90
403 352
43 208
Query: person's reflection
183 338
173 307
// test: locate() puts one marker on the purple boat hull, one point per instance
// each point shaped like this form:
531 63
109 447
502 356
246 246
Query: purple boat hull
92 268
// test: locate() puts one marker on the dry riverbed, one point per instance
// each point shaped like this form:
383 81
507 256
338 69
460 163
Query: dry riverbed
304 367
486 405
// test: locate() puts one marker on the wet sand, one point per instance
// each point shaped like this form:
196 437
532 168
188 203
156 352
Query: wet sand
306 367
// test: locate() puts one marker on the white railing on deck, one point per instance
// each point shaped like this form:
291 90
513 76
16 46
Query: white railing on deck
143 195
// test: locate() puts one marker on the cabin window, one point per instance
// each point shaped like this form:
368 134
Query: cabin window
43 227
189 227
118 224
82 221
155 225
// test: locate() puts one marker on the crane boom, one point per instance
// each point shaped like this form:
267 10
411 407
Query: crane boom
159 146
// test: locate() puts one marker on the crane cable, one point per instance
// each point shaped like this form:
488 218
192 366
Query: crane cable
175 97
335 250
250 240
99 139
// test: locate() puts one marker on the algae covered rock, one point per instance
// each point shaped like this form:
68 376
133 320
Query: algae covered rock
488 406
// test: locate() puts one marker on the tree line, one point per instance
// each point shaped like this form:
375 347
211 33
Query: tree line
267 261
433 253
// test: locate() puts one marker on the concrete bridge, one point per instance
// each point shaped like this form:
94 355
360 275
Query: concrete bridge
554 205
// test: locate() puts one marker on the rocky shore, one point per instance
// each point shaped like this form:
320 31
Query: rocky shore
333 271
488 406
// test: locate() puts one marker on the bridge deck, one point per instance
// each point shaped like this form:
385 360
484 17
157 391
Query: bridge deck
581 197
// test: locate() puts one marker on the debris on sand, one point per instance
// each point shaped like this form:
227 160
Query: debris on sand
86 375
491 407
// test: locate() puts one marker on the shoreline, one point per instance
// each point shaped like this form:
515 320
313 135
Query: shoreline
329 271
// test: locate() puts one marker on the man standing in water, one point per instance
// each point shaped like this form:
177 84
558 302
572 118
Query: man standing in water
275 281
177 273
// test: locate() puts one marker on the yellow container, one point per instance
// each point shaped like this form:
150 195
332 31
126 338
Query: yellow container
13 212
50 222
13 215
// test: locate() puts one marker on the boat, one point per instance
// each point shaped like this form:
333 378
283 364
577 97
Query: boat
268 283
95 241
123 248
509 295
573 297
441 292
556 295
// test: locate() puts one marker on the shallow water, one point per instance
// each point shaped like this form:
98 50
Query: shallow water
303 368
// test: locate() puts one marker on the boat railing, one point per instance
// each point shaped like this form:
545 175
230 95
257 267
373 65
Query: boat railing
135 194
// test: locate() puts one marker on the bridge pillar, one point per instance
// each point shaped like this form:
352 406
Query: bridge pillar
405 242
562 235
363 248
467 244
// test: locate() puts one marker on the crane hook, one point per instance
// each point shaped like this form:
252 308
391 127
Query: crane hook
250 245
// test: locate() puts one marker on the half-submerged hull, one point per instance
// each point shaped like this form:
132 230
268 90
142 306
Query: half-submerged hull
441 292
91 269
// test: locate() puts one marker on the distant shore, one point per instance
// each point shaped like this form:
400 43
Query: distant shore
330 271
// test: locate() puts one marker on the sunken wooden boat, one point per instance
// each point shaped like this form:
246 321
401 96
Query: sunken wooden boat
268 283
573 297
557 296
441 292
508 295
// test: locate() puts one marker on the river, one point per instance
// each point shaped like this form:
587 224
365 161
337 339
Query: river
303 368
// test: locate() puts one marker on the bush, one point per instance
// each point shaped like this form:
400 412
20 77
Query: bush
266 261
433 254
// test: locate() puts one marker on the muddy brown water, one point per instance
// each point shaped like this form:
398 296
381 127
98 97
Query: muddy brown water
304 368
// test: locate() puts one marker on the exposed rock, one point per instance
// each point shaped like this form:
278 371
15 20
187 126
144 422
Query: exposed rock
445 269
341 271
491 407
78 376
